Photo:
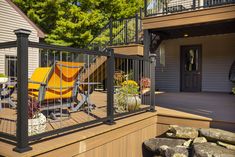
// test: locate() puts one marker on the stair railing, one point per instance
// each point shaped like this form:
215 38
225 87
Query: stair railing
117 32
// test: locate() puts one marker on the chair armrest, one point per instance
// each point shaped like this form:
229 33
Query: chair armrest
35 82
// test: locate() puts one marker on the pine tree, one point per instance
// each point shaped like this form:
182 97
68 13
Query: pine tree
75 22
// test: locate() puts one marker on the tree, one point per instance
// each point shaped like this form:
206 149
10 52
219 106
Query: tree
75 22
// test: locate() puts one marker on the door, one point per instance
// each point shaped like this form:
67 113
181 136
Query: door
191 68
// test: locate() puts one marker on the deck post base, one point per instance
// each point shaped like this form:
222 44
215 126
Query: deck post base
22 150
152 110
108 122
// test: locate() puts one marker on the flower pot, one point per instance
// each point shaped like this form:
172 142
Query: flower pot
133 102
37 125
145 91
3 80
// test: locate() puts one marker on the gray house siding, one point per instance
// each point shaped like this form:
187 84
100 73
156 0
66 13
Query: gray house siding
11 20
218 53
168 76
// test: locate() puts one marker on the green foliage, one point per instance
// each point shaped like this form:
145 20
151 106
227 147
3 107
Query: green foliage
126 96
129 87
233 90
2 75
75 23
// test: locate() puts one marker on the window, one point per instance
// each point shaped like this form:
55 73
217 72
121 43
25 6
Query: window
162 55
191 60
11 66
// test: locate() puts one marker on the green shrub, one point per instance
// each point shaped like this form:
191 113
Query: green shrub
233 90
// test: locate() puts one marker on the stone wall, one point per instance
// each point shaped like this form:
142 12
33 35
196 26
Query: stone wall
192 142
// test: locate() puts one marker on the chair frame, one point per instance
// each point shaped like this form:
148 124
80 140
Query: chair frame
44 86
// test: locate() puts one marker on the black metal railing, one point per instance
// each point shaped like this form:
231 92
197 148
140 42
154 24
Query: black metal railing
59 90
163 7
134 84
126 31
118 32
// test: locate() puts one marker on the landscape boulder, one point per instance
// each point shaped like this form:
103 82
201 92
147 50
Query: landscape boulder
188 143
218 135
226 145
182 132
179 151
210 150
159 145
200 140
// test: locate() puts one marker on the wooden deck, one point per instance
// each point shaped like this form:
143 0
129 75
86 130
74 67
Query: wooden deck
220 107
124 138
8 120
8 116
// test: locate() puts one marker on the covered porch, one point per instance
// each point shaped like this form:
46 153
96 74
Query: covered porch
195 51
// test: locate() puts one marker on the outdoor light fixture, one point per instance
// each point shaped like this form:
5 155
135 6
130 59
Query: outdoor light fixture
185 35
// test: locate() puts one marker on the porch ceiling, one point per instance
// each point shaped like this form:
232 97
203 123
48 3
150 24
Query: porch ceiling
212 28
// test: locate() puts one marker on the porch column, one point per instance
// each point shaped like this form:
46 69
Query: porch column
110 87
22 91
152 58
147 43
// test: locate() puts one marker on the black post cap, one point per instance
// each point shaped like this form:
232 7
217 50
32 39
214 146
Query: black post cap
22 31
152 56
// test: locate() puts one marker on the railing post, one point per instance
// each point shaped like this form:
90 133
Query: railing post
110 87
22 91
152 78
136 28
141 11
194 4
166 5
145 8
141 15
125 32
111 31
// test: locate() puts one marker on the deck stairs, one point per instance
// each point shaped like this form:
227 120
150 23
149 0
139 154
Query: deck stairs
95 70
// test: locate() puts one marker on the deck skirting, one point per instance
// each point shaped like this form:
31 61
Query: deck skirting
124 139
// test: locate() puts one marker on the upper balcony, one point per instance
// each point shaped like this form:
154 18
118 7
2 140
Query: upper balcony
167 13
165 7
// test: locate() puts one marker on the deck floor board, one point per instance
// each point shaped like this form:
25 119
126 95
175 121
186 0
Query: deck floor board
8 116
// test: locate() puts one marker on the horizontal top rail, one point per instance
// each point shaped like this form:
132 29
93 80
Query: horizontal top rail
9 44
97 35
131 57
68 49
164 7
127 18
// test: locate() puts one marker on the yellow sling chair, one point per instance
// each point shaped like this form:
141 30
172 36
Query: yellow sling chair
56 87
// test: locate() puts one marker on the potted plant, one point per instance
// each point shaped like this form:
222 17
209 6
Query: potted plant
36 120
127 97
3 79
118 77
145 84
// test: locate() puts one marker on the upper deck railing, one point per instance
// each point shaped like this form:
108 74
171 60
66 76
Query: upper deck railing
164 7
122 31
